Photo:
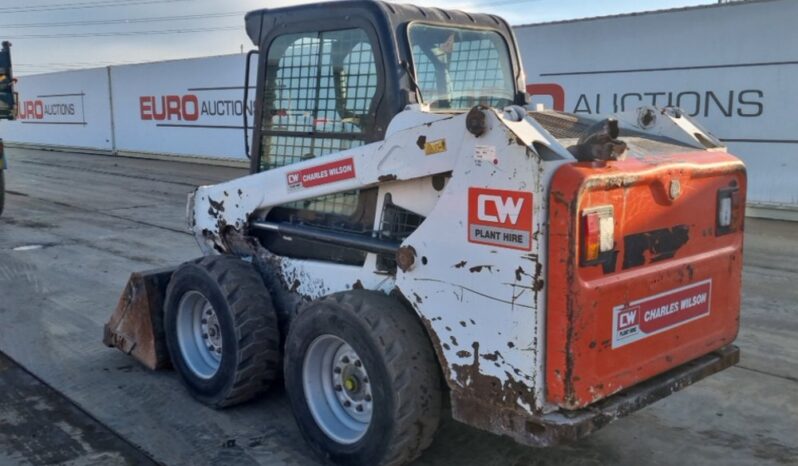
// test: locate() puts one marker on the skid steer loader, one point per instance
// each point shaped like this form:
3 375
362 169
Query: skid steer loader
411 234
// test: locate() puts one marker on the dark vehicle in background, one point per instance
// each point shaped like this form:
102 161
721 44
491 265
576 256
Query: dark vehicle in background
7 107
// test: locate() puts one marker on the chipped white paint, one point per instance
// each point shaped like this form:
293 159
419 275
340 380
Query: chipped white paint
484 303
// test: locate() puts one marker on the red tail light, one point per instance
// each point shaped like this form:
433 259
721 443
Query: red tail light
598 233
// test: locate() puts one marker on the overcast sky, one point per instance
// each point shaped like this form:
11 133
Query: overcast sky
51 35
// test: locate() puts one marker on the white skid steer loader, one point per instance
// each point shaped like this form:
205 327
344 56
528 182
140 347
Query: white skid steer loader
409 231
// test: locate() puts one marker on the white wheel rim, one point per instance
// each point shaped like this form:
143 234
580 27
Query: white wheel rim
337 389
199 335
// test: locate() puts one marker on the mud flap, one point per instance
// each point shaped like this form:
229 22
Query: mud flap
136 326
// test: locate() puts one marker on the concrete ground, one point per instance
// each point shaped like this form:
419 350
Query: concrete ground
76 225
39 425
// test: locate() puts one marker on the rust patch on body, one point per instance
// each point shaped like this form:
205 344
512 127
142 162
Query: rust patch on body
489 389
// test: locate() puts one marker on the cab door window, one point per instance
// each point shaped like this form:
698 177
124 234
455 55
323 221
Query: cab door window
320 95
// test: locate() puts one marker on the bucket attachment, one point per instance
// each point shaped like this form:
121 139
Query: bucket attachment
136 327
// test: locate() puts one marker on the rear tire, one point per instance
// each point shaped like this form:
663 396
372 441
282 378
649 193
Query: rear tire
368 350
221 330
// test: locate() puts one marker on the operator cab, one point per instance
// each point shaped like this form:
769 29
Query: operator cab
335 74
332 76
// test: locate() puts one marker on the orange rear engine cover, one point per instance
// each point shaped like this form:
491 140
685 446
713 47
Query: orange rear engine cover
668 291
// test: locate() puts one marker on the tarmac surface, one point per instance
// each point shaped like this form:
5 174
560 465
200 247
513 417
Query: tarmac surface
76 225
38 425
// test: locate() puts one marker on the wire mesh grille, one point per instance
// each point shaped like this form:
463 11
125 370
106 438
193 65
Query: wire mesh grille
396 224
472 68
344 203
293 149
562 125
323 85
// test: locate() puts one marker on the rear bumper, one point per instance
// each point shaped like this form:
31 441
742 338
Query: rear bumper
566 426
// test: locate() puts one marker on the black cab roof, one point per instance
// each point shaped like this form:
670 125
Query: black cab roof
389 21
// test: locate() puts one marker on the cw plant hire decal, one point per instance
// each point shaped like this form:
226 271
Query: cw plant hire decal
318 175
499 217
654 314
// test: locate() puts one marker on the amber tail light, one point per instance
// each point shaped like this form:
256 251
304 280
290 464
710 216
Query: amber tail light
598 233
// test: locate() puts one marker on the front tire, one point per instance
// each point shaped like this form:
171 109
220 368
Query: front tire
221 330
362 378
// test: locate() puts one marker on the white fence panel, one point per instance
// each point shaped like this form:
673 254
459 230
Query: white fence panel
183 107
66 109
734 67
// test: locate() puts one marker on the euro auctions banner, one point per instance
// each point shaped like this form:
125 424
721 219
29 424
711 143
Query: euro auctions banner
183 107
66 109
733 67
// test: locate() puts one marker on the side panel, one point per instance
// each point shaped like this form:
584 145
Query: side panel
667 293
479 261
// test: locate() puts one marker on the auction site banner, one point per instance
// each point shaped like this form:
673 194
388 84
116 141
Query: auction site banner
184 107
733 67
740 86
67 109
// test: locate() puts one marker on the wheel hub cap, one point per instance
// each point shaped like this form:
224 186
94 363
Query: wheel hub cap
337 389
199 335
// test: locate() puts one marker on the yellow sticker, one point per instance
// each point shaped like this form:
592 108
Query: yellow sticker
435 147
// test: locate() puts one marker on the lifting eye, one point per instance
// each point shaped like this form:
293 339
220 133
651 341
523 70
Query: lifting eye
476 123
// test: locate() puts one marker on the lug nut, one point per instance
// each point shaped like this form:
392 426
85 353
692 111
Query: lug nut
358 363
368 398
338 388
359 408
345 360
337 370
347 403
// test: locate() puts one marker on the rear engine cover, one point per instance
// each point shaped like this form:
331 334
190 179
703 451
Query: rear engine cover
666 293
